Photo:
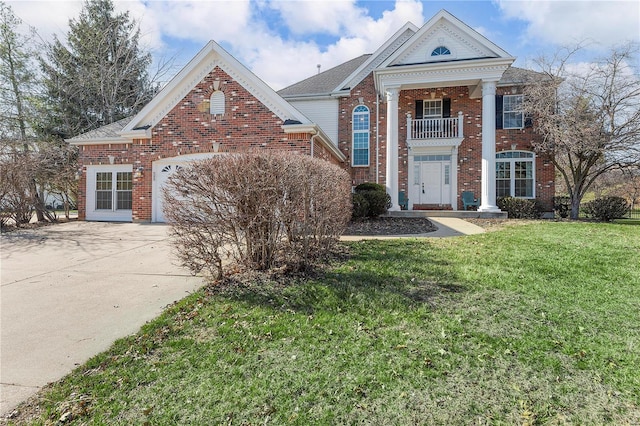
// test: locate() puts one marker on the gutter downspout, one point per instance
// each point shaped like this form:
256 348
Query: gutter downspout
377 137
312 142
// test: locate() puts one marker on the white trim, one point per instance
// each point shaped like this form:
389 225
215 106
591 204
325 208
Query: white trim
91 213
156 167
314 129
211 55
440 18
353 134
512 177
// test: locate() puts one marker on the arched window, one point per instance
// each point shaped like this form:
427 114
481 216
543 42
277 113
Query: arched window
216 103
440 50
515 174
360 147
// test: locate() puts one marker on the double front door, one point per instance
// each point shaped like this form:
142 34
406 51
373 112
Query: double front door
432 182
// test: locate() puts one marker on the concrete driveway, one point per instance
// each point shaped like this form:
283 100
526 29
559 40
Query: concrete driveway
68 291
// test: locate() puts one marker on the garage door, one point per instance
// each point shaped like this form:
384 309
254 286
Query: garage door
161 174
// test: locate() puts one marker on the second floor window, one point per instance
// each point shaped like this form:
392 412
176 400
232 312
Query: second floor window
360 147
512 113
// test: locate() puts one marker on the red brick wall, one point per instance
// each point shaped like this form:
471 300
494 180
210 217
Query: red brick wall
469 152
189 129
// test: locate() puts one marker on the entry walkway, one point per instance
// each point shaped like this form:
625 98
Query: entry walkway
447 227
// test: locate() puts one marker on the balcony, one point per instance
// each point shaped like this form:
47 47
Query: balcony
439 131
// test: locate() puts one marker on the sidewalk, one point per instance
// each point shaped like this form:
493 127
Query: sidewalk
447 227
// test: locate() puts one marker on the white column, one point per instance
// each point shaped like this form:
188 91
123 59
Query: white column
453 176
488 183
392 147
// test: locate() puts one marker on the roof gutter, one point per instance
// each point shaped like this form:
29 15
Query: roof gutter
315 130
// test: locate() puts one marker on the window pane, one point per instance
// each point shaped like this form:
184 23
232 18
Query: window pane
503 171
524 188
447 174
360 157
103 181
124 181
503 188
432 109
103 200
513 120
360 144
124 200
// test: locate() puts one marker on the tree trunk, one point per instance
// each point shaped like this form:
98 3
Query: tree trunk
575 207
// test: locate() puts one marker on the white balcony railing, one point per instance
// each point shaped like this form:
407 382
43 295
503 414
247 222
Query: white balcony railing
435 128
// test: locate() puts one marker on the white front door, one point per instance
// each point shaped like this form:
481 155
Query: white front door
160 175
432 183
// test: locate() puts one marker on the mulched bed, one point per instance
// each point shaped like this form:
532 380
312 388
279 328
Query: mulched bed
390 226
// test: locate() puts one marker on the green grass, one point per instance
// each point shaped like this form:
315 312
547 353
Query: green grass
533 324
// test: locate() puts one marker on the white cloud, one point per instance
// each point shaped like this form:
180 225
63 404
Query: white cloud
46 17
279 57
568 22
313 17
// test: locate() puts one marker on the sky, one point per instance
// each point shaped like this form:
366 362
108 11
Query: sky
283 41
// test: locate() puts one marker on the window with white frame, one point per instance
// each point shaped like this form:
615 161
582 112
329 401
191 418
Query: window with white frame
114 189
432 108
512 112
360 151
515 174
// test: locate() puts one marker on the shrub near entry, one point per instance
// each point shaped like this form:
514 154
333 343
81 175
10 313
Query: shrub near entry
261 210
376 200
519 208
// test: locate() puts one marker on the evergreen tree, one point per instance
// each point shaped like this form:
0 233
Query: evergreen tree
99 76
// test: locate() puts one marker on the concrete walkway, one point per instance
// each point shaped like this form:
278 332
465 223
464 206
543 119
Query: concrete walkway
447 227
68 291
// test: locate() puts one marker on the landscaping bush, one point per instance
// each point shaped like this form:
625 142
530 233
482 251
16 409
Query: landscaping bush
520 208
562 206
360 206
607 208
376 197
262 210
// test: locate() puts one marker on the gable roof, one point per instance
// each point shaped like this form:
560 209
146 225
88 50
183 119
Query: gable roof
444 29
211 56
325 82
348 74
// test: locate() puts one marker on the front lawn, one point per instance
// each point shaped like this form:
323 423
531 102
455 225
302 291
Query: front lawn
532 324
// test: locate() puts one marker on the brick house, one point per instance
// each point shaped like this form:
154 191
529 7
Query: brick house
434 112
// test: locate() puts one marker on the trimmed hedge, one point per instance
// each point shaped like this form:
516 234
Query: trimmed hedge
607 208
520 208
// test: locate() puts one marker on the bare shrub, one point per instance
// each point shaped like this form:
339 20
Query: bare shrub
261 210
16 196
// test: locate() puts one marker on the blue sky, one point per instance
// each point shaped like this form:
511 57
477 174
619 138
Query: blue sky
282 41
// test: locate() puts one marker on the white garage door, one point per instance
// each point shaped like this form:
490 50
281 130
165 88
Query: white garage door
164 168
161 173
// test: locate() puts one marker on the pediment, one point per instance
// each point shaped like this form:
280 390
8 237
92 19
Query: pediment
444 38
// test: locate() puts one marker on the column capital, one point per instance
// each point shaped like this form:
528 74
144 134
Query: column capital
392 93
489 87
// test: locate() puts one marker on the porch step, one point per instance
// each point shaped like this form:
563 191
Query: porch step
448 213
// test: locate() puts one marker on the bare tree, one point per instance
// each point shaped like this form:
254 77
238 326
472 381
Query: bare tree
589 118
18 84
